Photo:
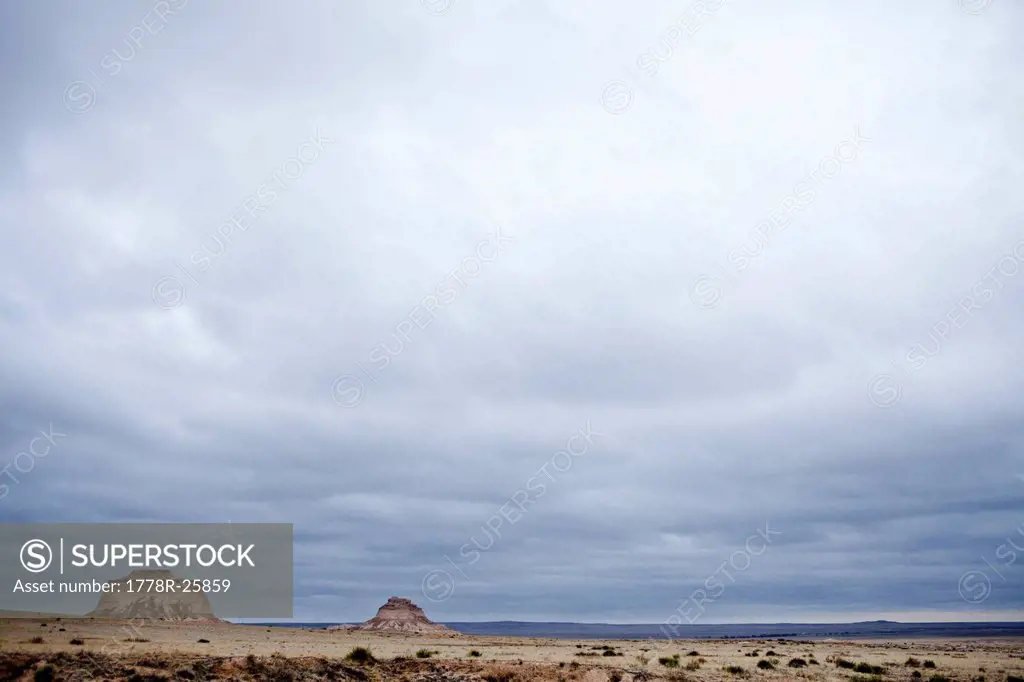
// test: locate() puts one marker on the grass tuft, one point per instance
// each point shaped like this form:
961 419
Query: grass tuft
868 669
361 655
670 661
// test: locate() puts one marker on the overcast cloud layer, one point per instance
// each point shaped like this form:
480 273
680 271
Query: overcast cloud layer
734 248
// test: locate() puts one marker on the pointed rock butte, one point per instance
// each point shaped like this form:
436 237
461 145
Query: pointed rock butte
401 615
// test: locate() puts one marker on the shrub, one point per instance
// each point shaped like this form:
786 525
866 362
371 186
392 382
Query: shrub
765 665
669 662
797 663
771 653
360 654
735 670
77 641
693 665
843 663
1012 678
693 653
203 641
869 669
610 652
474 654
912 663
929 664
36 640
424 653
916 675
616 676
812 662
139 640
938 678
44 673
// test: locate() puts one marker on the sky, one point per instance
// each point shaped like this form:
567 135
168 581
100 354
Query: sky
532 310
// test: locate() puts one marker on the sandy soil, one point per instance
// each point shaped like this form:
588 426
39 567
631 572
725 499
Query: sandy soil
160 650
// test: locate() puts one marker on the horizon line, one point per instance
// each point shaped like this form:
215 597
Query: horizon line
655 624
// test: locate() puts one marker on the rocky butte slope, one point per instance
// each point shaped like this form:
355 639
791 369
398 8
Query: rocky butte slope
400 615
177 605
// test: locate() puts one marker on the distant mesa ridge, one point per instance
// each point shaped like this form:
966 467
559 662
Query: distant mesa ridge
121 603
399 615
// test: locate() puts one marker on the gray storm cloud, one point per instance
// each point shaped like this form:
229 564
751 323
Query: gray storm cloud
226 323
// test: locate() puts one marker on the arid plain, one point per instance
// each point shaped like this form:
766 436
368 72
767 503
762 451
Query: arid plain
79 649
